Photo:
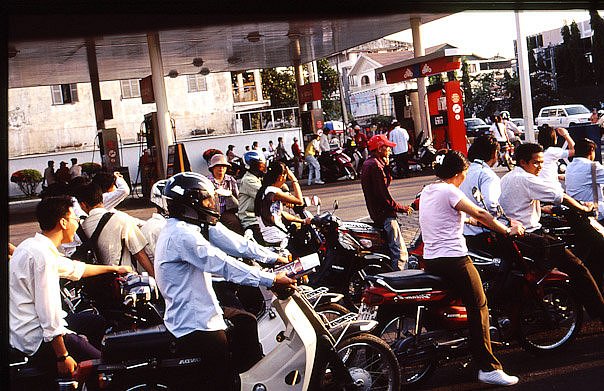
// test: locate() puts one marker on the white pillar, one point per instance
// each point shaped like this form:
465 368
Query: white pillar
258 84
240 87
525 82
418 51
166 136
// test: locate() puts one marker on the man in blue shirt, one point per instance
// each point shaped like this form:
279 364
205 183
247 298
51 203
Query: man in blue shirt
184 263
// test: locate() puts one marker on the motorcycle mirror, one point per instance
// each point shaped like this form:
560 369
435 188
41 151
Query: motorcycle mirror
335 205
316 201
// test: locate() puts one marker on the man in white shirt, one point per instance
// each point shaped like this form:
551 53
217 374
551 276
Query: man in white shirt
584 186
114 187
120 241
75 170
521 194
184 264
400 137
37 322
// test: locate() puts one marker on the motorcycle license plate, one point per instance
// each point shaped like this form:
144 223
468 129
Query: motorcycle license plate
367 312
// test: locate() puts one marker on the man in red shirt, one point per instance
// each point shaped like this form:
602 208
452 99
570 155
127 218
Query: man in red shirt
360 139
375 179
297 157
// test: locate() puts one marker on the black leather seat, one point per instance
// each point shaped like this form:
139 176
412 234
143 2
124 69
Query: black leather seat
411 279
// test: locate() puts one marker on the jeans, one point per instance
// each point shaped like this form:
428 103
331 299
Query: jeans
314 169
461 274
402 164
396 243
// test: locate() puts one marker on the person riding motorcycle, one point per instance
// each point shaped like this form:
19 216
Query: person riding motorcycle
522 192
184 263
250 183
441 216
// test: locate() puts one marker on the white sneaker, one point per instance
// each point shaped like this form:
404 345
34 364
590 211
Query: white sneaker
319 182
497 377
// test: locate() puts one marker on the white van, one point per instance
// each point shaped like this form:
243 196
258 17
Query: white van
563 115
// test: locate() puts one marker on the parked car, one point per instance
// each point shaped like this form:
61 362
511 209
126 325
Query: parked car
563 115
475 127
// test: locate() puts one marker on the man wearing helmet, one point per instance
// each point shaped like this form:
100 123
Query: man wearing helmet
375 179
184 264
250 183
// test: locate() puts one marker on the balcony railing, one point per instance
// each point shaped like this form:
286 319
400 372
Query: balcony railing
283 118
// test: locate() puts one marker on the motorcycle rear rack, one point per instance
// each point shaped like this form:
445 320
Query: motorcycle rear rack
352 316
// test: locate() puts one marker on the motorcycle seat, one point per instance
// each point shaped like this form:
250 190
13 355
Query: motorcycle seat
154 341
410 279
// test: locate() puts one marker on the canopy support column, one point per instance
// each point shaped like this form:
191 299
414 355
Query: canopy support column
166 135
418 51
525 82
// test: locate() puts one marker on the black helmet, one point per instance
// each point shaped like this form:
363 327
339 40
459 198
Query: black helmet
185 192
156 195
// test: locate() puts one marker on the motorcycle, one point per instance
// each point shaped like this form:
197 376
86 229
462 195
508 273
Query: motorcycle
352 151
424 320
237 169
26 376
349 251
582 234
424 155
310 353
506 151
336 166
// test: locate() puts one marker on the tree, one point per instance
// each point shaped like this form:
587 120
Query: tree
280 86
597 26
465 82
330 84
581 71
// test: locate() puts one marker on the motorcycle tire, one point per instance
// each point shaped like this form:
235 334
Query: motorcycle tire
331 311
370 361
552 324
352 175
356 285
508 162
417 363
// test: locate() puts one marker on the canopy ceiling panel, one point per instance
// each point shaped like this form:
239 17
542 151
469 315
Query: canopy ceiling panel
224 47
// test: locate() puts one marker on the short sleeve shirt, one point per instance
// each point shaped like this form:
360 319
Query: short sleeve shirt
442 224
549 171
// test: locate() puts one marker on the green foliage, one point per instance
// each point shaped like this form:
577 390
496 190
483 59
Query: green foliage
597 52
280 86
465 81
328 77
90 168
27 180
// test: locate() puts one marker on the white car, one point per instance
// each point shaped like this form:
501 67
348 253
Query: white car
563 115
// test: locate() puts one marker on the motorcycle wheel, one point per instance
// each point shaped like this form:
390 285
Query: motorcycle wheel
352 175
416 364
148 387
551 324
331 311
508 162
370 361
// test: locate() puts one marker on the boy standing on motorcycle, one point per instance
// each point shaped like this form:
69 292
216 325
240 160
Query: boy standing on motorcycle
375 179
184 264
521 194
37 323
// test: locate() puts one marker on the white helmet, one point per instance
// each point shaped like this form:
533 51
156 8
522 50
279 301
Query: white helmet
157 195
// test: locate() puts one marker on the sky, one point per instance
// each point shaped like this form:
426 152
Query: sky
490 33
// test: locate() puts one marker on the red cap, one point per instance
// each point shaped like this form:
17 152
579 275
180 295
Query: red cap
379 140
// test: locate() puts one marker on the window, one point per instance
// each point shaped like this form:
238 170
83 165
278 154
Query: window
130 88
365 80
197 83
64 93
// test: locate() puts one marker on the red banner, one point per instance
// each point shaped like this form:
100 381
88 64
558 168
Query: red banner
309 92
423 69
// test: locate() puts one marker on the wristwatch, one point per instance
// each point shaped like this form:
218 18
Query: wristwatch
62 358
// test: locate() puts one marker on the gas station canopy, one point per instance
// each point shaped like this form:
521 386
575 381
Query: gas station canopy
37 57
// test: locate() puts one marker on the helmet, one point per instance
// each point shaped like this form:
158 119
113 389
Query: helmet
185 193
253 156
157 196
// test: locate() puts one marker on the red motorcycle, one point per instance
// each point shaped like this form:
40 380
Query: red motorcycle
424 320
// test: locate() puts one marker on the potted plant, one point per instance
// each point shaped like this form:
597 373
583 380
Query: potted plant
28 180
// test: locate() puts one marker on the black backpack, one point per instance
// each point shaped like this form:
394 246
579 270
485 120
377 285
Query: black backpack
88 251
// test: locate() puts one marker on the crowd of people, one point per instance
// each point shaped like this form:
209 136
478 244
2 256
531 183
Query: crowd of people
193 242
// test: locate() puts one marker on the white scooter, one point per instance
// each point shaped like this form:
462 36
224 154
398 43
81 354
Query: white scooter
308 353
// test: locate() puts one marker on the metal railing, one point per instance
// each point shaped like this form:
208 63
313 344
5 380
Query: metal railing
269 119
